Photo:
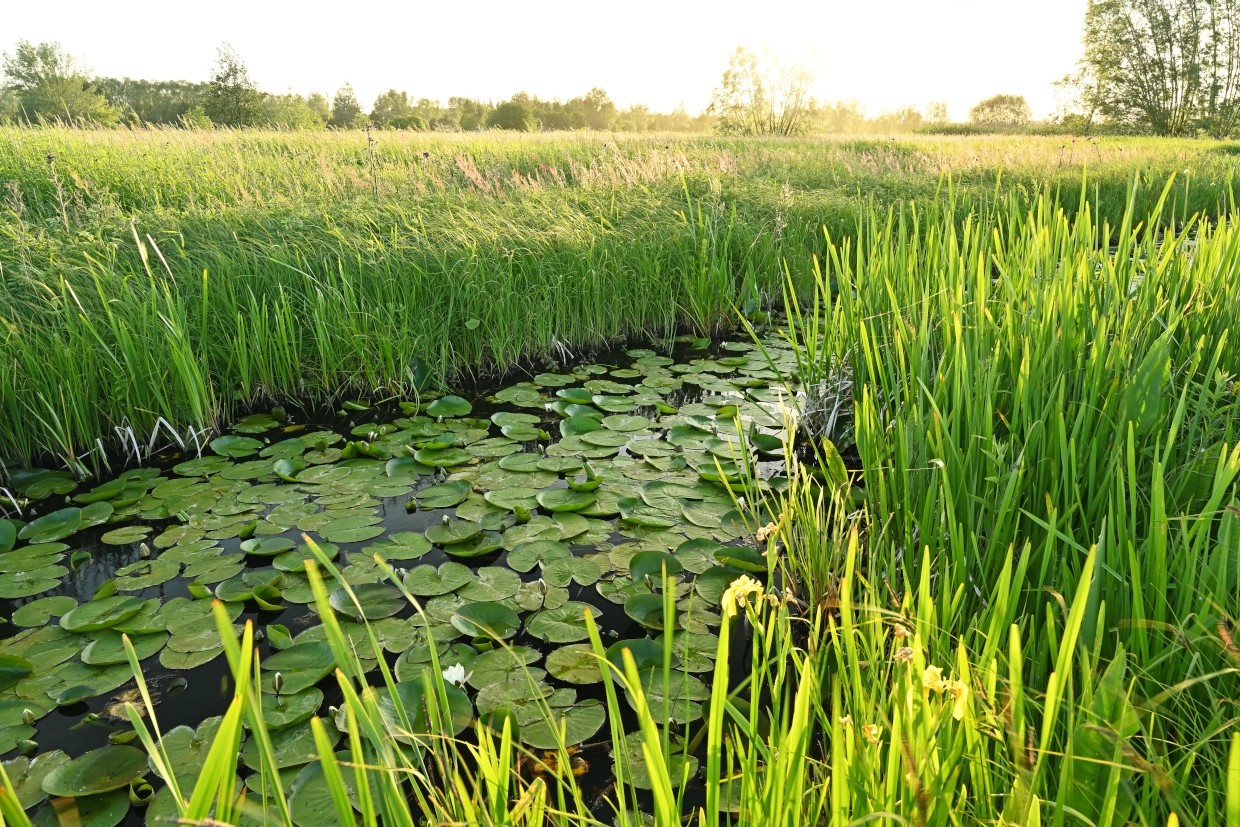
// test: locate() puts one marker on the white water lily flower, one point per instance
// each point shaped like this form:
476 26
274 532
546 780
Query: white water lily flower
455 675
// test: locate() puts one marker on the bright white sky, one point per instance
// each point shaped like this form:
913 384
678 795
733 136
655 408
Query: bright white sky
885 53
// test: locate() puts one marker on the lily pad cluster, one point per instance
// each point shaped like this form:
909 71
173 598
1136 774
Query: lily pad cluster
600 487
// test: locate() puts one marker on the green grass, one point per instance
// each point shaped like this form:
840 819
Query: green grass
1019 608
185 276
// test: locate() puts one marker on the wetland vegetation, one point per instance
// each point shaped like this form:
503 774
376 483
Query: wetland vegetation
582 481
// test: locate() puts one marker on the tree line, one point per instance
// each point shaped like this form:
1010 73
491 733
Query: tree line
1167 67
46 85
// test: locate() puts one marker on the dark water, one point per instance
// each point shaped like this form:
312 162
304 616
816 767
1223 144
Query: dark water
186 697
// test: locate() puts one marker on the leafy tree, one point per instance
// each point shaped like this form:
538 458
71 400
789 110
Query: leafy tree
10 105
291 112
1002 110
470 115
50 86
904 119
756 99
196 118
152 101
936 112
636 118
319 105
596 110
391 106
1165 66
345 108
515 114
842 117
232 98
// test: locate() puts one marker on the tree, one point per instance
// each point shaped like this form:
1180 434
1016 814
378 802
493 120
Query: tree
842 117
152 101
515 114
345 108
936 112
232 98
596 109
291 112
50 86
319 105
1002 110
1165 66
757 99
469 114
391 106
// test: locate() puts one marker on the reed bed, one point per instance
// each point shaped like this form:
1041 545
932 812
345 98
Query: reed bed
159 281
1016 607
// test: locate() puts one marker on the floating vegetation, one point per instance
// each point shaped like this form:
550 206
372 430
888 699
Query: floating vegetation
509 535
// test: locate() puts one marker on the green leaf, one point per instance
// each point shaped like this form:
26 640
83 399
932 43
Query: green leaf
236 447
98 771
486 620
575 663
429 581
448 407
104 810
14 669
563 624
565 499
100 614
50 527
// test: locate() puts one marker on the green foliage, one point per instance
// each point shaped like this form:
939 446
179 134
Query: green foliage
232 98
345 109
291 112
1171 67
514 115
757 99
353 298
1002 110
153 102
392 107
50 87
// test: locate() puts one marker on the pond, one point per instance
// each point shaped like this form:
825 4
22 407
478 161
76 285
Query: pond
506 514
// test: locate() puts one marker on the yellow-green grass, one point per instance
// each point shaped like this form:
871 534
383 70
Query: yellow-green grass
184 275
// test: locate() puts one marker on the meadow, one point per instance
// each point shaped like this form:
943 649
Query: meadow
178 277
992 579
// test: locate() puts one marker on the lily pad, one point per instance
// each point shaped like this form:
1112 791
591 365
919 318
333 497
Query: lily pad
98 771
428 581
100 614
444 495
449 406
575 663
565 499
104 810
38 612
236 447
302 665
267 546
378 600
564 624
454 531
485 543
567 725
27 774
50 527
486 620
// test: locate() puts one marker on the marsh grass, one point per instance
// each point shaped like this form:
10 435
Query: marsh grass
1019 608
189 275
